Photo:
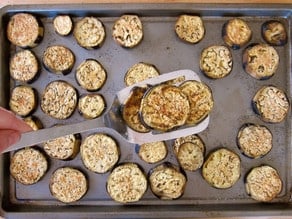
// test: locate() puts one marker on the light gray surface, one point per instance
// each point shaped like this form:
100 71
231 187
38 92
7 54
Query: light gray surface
162 48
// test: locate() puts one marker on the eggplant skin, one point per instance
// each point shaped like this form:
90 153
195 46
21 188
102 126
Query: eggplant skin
274 33
271 104
167 181
260 61
236 33
263 183
25 30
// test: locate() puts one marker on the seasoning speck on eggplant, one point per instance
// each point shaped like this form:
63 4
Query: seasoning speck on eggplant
63 24
23 100
91 75
89 33
59 100
261 61
236 33
271 104
274 33
28 166
190 28
164 107
128 31
254 140
263 183
23 66
216 61
24 30
68 184
127 183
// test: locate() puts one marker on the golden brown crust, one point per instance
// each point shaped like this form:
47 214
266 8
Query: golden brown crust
271 103
222 168
190 28
126 183
28 166
68 184
128 31
263 183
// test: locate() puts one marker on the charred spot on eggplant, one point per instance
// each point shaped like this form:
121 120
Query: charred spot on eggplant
23 100
236 33
128 31
91 106
63 24
127 183
24 66
274 33
25 30
167 181
255 141
140 72
164 107
58 59
91 75
261 61
271 104
190 28
68 184
55 95
131 110
263 183
99 152
152 152
89 33
216 61
222 168
200 99
28 166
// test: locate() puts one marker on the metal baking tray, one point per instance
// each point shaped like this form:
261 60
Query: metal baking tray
162 48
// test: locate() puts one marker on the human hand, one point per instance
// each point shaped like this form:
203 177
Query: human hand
11 128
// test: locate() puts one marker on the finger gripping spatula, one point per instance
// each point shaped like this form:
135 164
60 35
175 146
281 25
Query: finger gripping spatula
112 119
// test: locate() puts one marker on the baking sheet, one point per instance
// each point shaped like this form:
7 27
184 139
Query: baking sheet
161 47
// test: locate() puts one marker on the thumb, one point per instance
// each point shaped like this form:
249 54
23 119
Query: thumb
7 138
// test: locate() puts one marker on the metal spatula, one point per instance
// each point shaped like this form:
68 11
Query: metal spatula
113 120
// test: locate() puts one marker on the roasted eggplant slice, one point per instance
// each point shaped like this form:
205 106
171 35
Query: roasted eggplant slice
24 66
140 72
63 24
89 33
271 104
236 33
24 30
68 184
167 181
131 109
274 33
195 139
127 183
99 152
263 183
58 59
63 148
164 107
254 141
128 31
216 61
190 28
261 61
59 100
91 75
23 100
28 166
222 168
152 152
33 122
91 106
200 98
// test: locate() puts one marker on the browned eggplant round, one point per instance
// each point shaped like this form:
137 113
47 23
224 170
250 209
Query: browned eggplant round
274 33
152 152
91 106
63 24
33 122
